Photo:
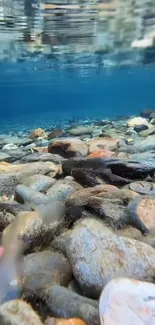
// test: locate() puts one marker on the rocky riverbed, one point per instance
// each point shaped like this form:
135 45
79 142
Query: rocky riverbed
77 223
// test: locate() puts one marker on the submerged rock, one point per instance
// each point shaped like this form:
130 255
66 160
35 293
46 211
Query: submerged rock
35 228
103 256
5 219
25 194
86 177
37 133
110 210
62 321
146 133
13 207
43 269
101 154
103 143
9 146
15 140
147 112
81 197
68 147
125 168
41 156
30 169
4 156
141 210
127 300
81 130
55 134
136 121
140 128
18 312
62 189
66 304
143 187
40 183
140 146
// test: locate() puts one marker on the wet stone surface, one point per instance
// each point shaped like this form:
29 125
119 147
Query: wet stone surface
77 222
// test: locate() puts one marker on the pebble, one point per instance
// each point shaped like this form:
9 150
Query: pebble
102 143
141 210
145 113
37 133
43 269
61 321
127 301
4 157
68 147
140 128
80 130
9 146
142 187
91 188
64 303
136 121
55 134
97 255
62 189
25 194
101 154
40 183
18 312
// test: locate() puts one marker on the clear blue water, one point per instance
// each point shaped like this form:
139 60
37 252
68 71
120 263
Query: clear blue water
32 93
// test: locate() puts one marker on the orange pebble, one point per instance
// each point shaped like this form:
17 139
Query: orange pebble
101 154
61 321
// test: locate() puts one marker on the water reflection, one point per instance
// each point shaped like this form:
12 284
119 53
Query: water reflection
33 27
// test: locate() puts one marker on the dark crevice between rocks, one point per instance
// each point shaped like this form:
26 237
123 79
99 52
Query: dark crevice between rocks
38 305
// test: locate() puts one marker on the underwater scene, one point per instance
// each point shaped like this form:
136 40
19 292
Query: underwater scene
77 162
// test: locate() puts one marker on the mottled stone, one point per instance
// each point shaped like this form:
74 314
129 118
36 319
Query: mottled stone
37 133
40 183
43 269
68 147
97 255
103 143
141 210
18 312
62 189
125 301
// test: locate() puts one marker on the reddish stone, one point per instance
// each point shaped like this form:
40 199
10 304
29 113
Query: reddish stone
101 154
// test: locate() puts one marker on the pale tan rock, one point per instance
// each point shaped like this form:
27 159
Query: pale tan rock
37 133
127 301
103 143
30 168
137 121
81 130
18 312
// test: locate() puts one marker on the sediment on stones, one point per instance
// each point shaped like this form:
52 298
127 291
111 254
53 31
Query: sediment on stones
43 237
5 219
111 211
